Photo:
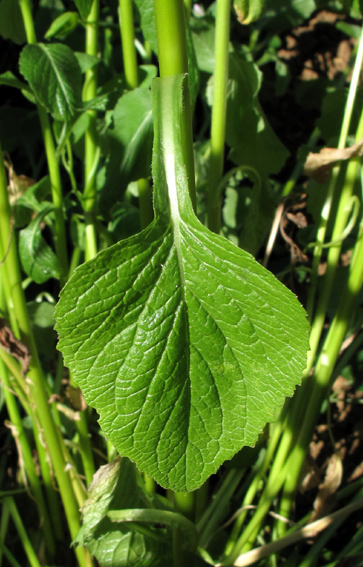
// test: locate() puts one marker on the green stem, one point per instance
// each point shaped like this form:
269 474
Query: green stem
218 506
154 516
132 80
184 504
26 457
128 43
218 128
91 146
331 195
23 536
325 367
53 165
173 60
9 556
310 390
37 384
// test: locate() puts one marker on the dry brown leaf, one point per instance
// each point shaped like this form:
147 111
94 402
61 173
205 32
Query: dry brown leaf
318 166
75 398
13 346
325 500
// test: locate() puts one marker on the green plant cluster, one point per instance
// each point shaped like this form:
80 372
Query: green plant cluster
160 386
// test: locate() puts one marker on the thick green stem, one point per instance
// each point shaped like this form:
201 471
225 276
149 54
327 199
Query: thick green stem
173 60
91 146
218 129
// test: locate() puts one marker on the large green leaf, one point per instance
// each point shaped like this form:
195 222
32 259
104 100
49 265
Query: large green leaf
183 343
54 74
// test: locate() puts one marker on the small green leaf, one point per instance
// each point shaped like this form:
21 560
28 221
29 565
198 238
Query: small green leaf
248 133
63 25
86 61
55 77
10 80
114 487
130 145
184 344
83 7
248 11
37 258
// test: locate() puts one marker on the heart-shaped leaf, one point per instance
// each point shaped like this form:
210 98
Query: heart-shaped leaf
183 343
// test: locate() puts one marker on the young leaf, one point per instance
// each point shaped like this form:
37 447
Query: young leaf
37 258
83 7
183 343
53 73
9 79
248 11
117 486
63 25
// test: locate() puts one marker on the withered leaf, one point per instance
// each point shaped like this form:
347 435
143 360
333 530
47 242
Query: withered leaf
14 346
318 166
75 398
326 497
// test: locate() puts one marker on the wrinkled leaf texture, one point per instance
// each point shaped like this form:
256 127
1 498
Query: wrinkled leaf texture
183 343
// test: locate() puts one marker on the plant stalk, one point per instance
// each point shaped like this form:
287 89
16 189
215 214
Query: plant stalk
173 60
219 113
91 146
37 384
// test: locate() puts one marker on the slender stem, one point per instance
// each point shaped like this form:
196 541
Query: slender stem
218 128
60 239
37 384
91 146
132 80
310 389
53 165
128 43
331 195
28 548
26 457
173 60
218 506
325 365
26 10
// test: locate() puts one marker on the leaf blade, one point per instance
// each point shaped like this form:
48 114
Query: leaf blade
185 345
53 73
